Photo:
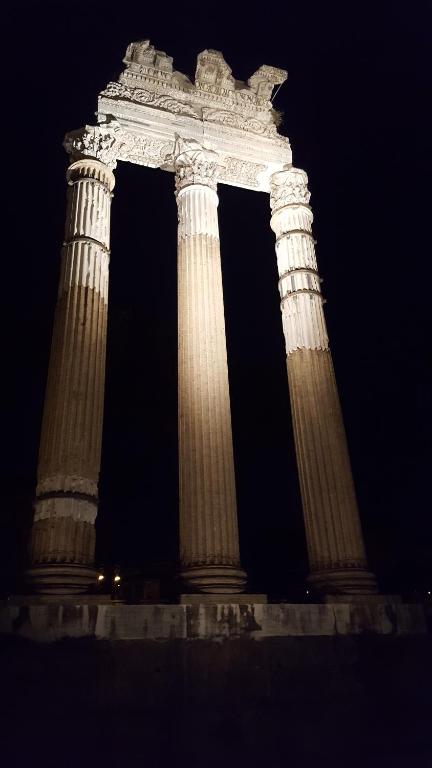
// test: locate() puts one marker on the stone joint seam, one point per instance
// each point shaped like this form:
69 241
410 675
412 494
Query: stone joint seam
196 185
76 495
87 239
287 234
297 204
88 180
292 293
298 270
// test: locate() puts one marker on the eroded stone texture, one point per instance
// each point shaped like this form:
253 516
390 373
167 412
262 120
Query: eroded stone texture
63 536
333 531
153 102
54 620
209 547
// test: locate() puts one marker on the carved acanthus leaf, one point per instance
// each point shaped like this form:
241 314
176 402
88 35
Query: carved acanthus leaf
287 187
194 164
101 142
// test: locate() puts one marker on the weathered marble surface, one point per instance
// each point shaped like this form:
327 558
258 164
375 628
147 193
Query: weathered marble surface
337 556
116 621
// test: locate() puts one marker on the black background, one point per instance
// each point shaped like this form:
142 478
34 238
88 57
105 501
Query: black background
356 109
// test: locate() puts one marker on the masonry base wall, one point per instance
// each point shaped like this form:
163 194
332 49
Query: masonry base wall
351 700
54 619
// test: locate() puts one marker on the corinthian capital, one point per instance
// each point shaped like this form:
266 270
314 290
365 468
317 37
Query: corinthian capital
101 142
287 187
194 164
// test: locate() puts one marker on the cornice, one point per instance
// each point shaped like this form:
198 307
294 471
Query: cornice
152 103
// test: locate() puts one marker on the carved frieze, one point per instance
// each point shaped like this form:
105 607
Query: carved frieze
235 171
148 70
143 150
234 120
225 117
150 98
152 103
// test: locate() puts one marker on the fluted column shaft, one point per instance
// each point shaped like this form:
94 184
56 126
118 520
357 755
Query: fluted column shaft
209 546
63 534
333 531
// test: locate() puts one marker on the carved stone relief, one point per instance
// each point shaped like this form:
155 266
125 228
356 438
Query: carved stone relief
98 141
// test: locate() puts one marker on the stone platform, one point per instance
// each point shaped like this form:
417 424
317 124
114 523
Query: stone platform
240 599
51 620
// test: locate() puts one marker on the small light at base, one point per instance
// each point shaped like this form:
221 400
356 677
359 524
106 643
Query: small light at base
429 592
101 577
307 591
117 585
116 578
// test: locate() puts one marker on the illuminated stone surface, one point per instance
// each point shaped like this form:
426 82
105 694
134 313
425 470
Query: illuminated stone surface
333 532
214 130
63 535
209 547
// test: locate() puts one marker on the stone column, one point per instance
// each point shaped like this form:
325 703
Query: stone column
209 547
333 532
63 534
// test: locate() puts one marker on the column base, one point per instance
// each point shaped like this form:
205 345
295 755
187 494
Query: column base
60 578
214 579
343 581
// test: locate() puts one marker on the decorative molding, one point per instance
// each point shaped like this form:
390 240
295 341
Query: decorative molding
194 164
288 187
143 150
232 117
152 99
235 120
235 171
100 142
145 64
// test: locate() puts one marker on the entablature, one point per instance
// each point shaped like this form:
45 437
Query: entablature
153 104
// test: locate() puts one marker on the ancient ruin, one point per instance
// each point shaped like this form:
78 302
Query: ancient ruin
215 130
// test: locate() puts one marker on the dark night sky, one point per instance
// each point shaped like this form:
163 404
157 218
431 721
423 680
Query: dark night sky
356 109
